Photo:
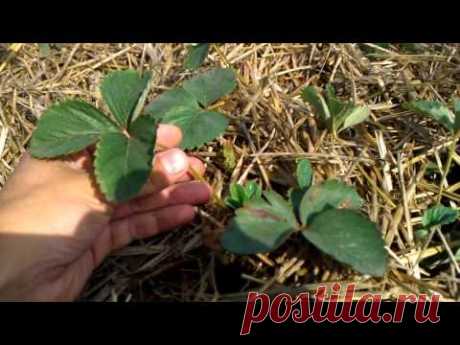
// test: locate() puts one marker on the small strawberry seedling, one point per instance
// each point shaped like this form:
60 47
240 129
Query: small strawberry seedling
450 119
327 216
125 141
438 215
239 194
332 113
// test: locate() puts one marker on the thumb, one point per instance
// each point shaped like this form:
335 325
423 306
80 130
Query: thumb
169 167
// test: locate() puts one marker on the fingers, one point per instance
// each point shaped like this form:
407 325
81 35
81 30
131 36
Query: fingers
192 193
148 224
169 167
168 136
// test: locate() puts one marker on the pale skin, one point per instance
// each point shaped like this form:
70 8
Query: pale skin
56 228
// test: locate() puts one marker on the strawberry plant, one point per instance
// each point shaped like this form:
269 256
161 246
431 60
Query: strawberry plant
332 113
125 140
327 216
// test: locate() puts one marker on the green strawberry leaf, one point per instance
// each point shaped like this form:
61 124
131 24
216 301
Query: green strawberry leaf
212 85
123 165
310 95
121 91
304 173
181 107
238 194
350 238
335 106
253 190
68 127
259 226
198 127
353 116
438 215
172 101
329 194
281 207
196 55
435 109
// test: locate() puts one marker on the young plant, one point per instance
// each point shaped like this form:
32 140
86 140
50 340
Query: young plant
436 216
450 119
239 194
328 216
196 54
125 141
333 113
185 106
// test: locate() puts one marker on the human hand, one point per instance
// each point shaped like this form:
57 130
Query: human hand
55 227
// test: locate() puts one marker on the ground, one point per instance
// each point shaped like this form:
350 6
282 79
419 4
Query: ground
389 159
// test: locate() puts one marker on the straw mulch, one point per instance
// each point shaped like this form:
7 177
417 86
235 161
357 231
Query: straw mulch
395 159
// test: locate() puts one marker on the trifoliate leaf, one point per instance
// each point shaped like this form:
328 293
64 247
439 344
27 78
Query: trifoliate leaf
310 95
439 215
210 86
121 91
172 101
123 165
350 238
196 55
304 173
329 194
435 109
67 128
198 127
258 227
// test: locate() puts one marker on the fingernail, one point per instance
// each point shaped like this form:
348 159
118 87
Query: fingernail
174 162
